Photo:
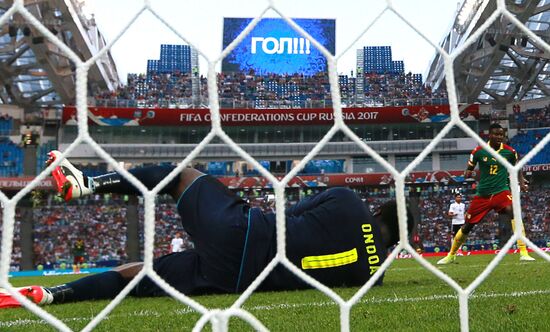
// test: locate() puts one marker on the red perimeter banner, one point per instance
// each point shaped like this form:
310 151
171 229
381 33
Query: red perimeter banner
305 181
345 180
111 116
21 182
536 168
327 180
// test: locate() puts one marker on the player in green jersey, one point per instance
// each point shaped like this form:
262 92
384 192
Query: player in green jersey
493 191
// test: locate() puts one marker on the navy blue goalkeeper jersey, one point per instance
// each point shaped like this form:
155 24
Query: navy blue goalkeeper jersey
330 236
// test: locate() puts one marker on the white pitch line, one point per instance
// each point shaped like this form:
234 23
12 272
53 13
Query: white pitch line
186 311
420 267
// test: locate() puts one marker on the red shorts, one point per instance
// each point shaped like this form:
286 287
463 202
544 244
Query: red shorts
78 260
480 206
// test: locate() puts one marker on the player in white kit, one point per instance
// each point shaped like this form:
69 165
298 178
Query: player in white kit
456 212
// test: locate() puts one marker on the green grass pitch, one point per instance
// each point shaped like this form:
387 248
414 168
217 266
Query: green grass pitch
515 297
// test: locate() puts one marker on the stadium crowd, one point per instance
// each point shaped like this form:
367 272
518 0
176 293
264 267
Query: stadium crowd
248 90
101 222
58 226
167 224
402 88
525 140
531 118
155 91
11 158
533 125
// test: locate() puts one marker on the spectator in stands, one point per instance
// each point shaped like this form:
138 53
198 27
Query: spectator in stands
251 90
79 251
176 245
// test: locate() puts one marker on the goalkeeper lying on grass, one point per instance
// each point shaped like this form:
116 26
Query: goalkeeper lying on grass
331 236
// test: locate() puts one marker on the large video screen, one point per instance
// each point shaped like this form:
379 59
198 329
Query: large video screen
273 47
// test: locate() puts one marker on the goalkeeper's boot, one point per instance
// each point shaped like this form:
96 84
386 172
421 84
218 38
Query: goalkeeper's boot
71 183
36 294
524 257
447 260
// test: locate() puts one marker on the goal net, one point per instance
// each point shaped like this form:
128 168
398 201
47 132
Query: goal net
219 318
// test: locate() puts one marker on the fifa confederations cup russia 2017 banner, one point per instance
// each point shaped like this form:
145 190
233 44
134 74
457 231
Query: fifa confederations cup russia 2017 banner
111 116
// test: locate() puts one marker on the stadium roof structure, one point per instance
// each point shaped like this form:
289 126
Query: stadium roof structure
504 65
33 70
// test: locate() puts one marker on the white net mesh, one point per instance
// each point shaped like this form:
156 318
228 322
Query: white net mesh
219 318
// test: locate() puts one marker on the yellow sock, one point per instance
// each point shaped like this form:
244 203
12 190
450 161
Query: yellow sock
521 245
458 241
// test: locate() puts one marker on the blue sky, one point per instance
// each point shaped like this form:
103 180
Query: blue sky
200 22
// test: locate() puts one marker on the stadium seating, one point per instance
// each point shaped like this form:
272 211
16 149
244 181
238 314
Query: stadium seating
11 159
6 125
531 118
524 142
323 167
248 90
219 168
533 125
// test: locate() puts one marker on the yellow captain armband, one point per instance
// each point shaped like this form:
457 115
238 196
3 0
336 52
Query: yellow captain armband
328 261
